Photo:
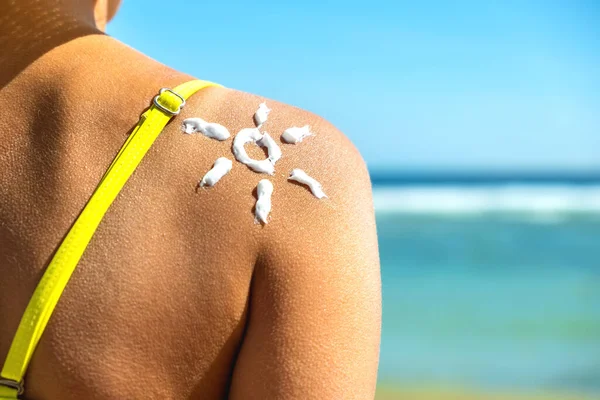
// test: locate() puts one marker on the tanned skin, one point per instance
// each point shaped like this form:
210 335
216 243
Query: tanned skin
180 295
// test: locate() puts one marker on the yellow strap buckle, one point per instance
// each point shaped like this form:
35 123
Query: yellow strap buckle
9 383
170 102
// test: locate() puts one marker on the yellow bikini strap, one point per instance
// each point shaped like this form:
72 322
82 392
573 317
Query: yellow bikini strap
165 106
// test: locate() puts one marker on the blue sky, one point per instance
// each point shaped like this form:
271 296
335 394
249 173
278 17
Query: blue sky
422 85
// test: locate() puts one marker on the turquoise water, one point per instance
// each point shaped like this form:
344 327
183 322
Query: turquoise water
491 300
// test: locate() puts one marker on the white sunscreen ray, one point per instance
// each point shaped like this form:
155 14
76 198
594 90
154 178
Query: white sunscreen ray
220 169
295 135
261 115
315 187
274 150
209 129
264 191
251 135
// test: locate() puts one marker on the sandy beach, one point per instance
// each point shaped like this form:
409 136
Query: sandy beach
391 393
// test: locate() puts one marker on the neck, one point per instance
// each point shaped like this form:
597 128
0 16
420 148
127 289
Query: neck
30 28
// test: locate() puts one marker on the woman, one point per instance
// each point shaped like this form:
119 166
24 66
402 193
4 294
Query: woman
179 294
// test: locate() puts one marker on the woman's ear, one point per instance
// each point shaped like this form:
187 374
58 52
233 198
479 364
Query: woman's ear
104 11
113 7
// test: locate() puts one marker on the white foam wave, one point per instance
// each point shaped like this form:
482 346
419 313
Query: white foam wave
491 199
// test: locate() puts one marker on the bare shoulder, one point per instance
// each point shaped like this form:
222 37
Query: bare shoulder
301 226
327 155
315 297
313 283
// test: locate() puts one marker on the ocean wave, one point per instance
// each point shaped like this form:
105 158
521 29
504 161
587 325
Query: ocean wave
546 200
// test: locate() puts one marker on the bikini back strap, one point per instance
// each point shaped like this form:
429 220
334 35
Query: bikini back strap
165 106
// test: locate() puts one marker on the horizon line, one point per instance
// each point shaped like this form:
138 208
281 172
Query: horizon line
474 177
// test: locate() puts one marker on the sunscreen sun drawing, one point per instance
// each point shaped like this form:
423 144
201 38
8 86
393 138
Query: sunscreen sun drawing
223 165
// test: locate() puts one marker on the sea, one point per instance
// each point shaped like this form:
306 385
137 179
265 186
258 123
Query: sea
490 281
